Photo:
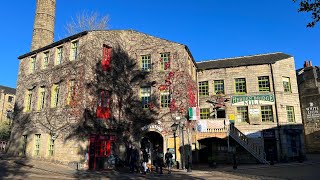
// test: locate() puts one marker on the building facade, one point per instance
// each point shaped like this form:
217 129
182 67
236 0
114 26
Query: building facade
97 92
259 96
309 90
7 100
86 99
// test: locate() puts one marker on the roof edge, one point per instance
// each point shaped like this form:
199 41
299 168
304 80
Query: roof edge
69 38
238 57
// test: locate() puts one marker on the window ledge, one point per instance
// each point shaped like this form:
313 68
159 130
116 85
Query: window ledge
237 93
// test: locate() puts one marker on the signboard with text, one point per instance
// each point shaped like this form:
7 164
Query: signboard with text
312 111
261 99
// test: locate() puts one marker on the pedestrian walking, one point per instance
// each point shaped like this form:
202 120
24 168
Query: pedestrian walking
128 155
159 158
134 157
145 160
169 162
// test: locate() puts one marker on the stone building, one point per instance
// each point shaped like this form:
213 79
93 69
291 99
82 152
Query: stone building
259 95
7 99
309 91
97 91
85 99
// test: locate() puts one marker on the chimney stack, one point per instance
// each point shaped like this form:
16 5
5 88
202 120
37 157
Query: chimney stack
43 29
307 64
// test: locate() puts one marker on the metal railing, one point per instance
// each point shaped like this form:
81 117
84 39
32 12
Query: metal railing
256 150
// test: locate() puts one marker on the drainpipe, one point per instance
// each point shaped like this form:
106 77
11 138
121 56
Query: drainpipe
4 99
276 107
197 148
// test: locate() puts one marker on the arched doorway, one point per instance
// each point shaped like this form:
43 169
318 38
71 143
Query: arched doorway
150 141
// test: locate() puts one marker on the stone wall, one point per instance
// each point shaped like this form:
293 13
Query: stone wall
5 105
309 90
275 72
65 121
43 29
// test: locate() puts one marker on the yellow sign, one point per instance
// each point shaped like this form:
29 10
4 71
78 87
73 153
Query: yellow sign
171 145
231 116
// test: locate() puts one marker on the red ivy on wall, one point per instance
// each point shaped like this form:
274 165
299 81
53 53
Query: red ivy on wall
191 95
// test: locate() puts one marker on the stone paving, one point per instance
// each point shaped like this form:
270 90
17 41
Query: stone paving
21 168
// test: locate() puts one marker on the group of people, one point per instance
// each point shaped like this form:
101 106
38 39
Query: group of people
159 161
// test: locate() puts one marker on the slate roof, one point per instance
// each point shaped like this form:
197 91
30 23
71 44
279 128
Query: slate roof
242 61
8 90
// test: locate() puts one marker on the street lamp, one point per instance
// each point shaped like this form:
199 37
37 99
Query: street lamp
185 162
174 128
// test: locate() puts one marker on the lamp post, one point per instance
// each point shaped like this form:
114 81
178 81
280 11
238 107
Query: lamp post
174 128
183 148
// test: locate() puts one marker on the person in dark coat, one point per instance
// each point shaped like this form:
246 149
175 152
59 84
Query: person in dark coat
159 159
145 160
128 155
134 157
168 157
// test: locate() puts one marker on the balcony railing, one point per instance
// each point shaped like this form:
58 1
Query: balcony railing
213 125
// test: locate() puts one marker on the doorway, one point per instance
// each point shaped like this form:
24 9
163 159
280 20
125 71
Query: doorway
150 141
100 148
270 148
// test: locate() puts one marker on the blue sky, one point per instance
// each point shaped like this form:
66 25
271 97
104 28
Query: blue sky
211 29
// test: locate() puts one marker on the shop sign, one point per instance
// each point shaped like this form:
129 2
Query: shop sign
231 118
268 134
152 126
261 99
254 116
254 111
312 111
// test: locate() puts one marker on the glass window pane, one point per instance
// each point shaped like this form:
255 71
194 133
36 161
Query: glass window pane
219 86
264 84
145 96
164 61
266 114
204 88
242 114
204 113
286 84
240 85
146 62
164 99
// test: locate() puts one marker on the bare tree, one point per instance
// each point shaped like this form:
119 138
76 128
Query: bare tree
312 6
86 22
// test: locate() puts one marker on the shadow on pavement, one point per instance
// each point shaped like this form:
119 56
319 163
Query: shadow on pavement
124 173
8 168
23 168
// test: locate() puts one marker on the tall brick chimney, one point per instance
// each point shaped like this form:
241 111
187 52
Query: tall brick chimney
43 29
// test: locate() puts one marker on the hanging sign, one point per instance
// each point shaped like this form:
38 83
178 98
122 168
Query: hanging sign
194 113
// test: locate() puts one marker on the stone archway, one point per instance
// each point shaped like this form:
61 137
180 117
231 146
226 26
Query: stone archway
149 141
